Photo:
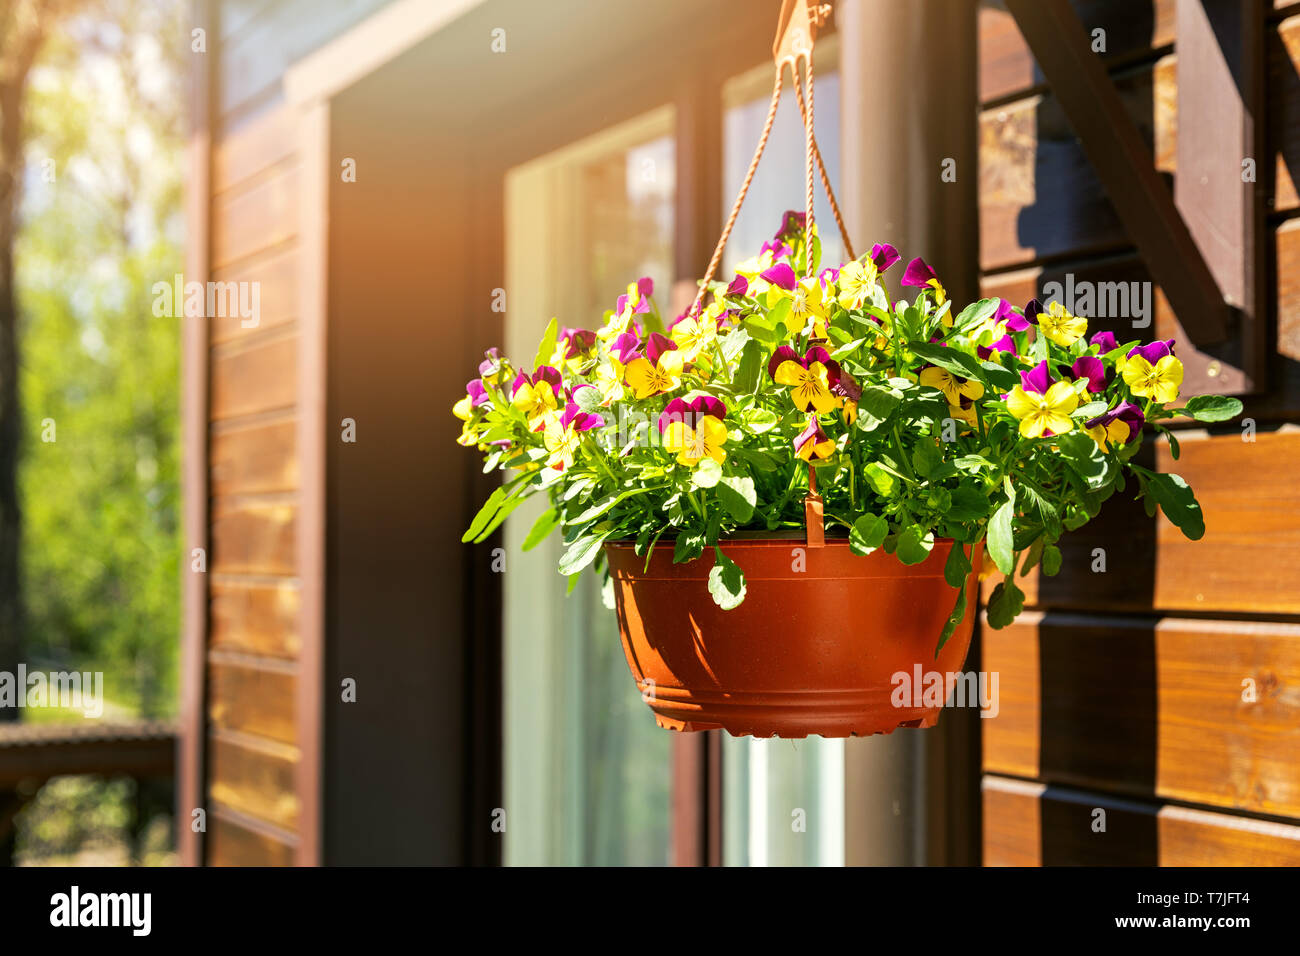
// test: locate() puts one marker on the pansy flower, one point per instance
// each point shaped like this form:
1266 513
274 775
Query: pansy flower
809 377
563 436
694 430
847 392
659 370
1004 344
856 280
1153 352
1160 381
696 334
1043 407
739 287
954 387
571 346
1119 426
1093 369
1105 342
792 225
636 301
1060 326
752 269
812 442
964 411
808 306
537 395
493 367
921 276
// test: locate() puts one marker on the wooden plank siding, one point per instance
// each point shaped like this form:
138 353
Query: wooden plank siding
1129 689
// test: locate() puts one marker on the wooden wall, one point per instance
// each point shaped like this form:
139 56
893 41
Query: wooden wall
251 735
1128 690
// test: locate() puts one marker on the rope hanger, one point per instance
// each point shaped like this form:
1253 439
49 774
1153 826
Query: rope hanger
796 32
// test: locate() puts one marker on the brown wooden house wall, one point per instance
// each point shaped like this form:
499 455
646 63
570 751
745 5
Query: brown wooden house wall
1123 690
249 733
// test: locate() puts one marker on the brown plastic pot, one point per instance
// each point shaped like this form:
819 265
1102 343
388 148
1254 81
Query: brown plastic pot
810 651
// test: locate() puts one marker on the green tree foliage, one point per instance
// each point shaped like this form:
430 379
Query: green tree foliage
99 371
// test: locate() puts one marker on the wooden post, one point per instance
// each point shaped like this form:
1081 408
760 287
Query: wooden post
191 790
912 797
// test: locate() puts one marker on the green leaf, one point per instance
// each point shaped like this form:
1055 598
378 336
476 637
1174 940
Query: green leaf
880 480
949 359
490 508
689 546
955 618
583 551
968 504
1085 457
510 504
546 522
738 496
1005 604
875 406
1178 503
867 534
751 367
547 347
1211 408
958 567
913 546
976 312
926 458
707 474
1001 549
1051 560
726 581
999 378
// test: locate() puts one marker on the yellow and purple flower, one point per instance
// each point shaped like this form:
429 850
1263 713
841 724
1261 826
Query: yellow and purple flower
659 370
954 388
812 442
563 435
1119 426
694 430
538 395
1156 378
1105 342
1057 324
810 377
1042 406
921 276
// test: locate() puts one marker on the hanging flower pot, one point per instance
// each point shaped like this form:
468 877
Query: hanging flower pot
817 646
683 459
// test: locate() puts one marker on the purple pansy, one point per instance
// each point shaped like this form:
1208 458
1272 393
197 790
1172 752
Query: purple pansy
883 255
1126 412
1004 344
579 341
580 420
792 223
1033 309
477 393
1012 320
815 354
739 286
690 413
918 273
1038 379
1093 369
491 365
645 287
657 346
781 275
545 374
625 347
1153 352
1105 342
778 249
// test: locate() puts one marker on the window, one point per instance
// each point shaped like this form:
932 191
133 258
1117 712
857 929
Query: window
587 771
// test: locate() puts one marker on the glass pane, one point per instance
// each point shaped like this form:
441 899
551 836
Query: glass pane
783 800
587 771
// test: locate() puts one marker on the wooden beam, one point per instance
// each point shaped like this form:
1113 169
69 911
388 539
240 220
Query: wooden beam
1221 130
1124 165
